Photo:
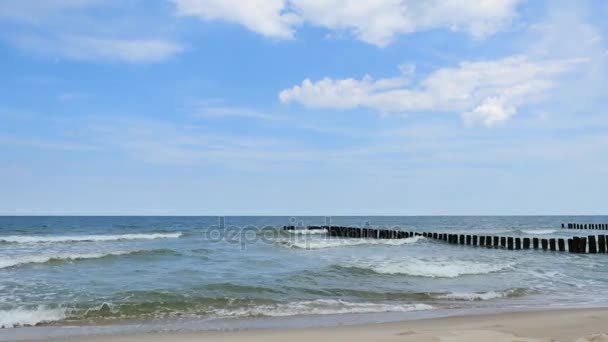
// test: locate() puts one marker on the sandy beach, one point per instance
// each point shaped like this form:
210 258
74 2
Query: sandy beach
560 325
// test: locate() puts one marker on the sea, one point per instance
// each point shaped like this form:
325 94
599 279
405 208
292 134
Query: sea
64 276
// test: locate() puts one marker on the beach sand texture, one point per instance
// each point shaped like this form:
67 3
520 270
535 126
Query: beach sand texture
563 325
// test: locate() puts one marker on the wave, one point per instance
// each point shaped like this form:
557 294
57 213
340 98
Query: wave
21 317
337 242
13 261
538 231
318 307
433 268
87 238
306 231
481 296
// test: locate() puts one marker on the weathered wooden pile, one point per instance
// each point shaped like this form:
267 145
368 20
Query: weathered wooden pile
594 226
579 245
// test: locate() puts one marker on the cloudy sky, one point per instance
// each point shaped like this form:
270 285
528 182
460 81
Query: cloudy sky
295 107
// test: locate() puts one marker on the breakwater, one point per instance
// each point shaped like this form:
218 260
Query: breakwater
593 244
590 226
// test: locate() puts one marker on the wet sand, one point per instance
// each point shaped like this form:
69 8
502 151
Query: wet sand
559 325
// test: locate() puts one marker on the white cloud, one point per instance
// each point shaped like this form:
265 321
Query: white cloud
266 17
487 92
96 48
376 22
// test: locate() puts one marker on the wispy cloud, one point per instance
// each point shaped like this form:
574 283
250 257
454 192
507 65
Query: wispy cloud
375 22
69 29
89 48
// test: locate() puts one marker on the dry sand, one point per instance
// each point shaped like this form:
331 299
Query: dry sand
563 325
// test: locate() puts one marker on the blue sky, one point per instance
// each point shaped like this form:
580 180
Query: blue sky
296 107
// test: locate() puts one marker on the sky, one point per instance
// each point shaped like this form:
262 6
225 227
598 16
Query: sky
303 107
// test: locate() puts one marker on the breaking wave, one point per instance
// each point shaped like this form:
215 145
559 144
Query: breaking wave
13 261
29 317
337 242
431 268
87 238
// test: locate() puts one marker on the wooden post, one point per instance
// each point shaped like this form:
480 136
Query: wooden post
510 243
592 245
474 240
482 241
561 245
461 239
517 243
571 246
535 243
526 243
582 247
552 245
601 241
496 242
469 240
545 244
503 242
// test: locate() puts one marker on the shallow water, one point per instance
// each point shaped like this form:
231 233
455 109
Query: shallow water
189 272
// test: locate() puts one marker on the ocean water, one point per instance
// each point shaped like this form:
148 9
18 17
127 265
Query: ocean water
68 275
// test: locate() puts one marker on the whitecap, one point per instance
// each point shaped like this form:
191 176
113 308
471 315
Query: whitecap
12 261
539 231
431 268
344 242
87 238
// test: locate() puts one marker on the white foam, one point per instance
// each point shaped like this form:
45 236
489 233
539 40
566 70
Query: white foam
11 261
26 317
319 307
474 296
539 231
344 242
432 268
307 231
89 238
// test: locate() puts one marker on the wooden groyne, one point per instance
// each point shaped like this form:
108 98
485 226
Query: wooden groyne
593 244
581 226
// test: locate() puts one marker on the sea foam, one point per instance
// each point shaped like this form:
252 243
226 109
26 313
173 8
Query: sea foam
12 261
337 242
318 307
539 231
481 296
28 317
432 268
87 238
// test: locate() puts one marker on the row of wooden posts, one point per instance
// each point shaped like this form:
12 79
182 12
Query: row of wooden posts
579 245
595 226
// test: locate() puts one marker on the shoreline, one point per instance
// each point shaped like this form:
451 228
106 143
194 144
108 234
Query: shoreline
579 325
